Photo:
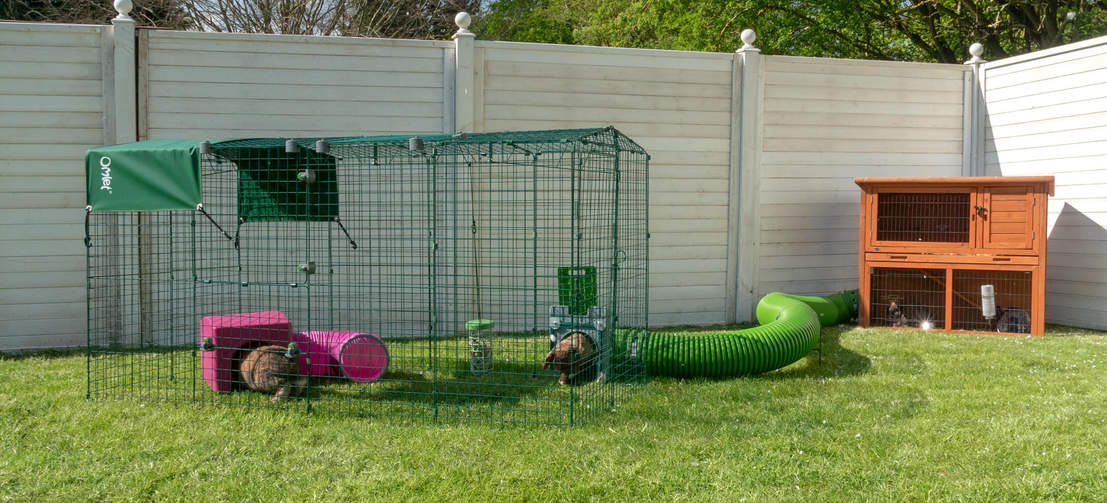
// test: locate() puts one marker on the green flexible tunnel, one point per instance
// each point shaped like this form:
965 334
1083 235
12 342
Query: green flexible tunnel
789 329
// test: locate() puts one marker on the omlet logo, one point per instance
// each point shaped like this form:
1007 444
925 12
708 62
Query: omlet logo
105 173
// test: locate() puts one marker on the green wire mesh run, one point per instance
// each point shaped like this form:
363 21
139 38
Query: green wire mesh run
486 267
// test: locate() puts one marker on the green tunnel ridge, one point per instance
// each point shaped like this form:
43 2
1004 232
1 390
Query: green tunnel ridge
789 329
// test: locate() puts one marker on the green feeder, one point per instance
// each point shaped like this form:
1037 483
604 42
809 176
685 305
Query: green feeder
480 345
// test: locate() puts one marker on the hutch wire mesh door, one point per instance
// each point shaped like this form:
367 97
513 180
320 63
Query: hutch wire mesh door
494 277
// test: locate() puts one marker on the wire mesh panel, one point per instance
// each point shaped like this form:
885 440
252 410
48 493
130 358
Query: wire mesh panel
495 277
140 305
1002 305
926 217
909 298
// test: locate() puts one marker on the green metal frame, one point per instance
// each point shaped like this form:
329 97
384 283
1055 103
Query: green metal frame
416 241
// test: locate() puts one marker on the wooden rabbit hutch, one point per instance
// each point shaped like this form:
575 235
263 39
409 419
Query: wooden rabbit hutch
963 253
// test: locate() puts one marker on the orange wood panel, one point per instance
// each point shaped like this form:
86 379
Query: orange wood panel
863 278
949 299
1008 219
920 258
1046 181
1037 313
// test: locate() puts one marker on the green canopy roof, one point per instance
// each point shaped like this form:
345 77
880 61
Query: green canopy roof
145 175
156 175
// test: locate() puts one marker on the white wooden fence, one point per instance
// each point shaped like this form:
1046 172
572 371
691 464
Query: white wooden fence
53 83
213 85
826 121
753 156
1047 115
675 104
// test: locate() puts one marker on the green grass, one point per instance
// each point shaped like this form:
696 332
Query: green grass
886 415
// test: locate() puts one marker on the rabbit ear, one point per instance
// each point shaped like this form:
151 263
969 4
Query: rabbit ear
549 358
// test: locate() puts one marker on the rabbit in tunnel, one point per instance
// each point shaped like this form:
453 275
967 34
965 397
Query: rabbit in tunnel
574 357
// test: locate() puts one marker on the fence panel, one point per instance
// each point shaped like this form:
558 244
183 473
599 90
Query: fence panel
827 121
53 108
1047 115
215 85
675 104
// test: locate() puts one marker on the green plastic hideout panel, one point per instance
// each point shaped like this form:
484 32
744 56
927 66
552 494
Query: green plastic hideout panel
576 288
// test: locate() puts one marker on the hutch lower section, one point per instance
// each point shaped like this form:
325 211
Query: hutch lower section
949 297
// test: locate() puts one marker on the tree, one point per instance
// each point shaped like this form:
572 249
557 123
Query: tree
366 18
422 19
527 21
158 13
941 29
374 18
918 30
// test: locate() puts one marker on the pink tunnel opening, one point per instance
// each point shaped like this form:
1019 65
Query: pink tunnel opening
358 356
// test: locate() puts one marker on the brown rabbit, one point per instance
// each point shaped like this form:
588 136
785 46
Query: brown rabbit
896 316
268 370
575 353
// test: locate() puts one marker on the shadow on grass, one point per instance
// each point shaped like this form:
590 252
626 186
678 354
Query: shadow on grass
508 383
43 354
1052 330
829 359
97 352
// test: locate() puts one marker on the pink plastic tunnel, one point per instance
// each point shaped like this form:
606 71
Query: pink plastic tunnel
358 356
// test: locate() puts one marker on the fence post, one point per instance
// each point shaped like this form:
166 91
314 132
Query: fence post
123 81
126 130
974 133
463 74
745 175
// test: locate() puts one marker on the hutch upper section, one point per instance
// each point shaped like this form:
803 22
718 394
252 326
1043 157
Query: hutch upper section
955 216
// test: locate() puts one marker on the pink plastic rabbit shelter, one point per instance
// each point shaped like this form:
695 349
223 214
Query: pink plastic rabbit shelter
227 335
358 356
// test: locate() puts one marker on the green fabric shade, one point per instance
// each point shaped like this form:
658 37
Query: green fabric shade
157 175
144 176
269 188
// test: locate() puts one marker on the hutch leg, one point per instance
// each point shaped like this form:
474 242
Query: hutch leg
1037 310
949 299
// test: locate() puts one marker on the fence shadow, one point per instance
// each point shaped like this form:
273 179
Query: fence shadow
1074 233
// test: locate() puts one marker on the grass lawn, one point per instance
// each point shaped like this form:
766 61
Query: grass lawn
886 415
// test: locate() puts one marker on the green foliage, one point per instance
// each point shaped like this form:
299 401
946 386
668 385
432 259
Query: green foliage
886 415
525 21
919 30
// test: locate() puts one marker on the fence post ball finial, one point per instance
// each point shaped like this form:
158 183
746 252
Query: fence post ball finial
748 37
462 20
976 50
123 7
